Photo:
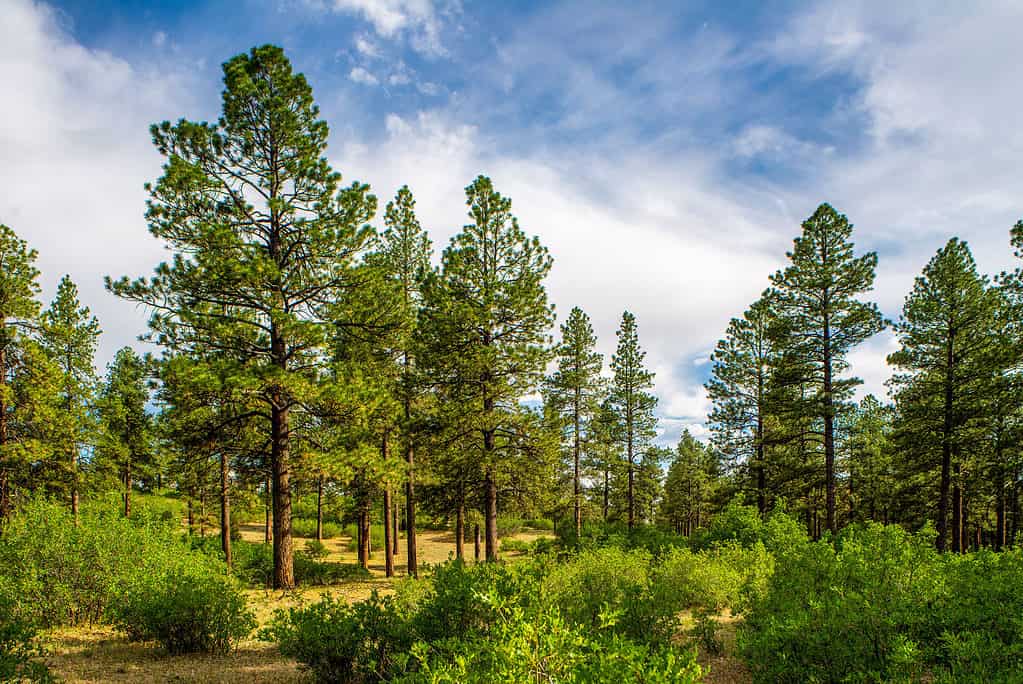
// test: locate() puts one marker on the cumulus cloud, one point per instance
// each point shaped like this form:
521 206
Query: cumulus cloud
74 154
419 19
363 76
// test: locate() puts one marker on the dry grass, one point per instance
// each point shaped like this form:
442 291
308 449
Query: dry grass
86 655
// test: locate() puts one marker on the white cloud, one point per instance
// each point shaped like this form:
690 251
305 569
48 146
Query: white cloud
360 75
420 19
367 47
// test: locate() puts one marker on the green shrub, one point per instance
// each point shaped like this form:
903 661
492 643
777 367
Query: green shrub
342 642
64 573
376 537
309 571
545 524
20 655
599 582
189 607
844 612
515 545
316 550
306 527
508 525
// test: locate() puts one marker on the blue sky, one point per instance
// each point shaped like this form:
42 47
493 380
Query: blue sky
664 152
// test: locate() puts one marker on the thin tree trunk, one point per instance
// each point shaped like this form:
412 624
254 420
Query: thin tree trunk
268 498
410 513
476 541
632 475
946 449
202 512
363 537
319 508
191 516
607 492
829 433
490 501
394 526
388 531
575 476
957 514
225 508
999 509
460 531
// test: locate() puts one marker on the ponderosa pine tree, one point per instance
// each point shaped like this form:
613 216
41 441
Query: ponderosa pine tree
404 255
69 335
632 402
485 331
575 390
690 486
817 296
18 310
740 392
263 238
869 455
945 336
125 425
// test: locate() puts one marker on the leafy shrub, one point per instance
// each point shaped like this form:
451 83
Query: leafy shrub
718 578
598 582
312 572
844 612
19 653
376 537
508 525
306 527
67 574
338 642
316 550
545 524
515 545
193 607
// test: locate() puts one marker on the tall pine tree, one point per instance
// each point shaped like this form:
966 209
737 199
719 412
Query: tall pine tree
485 332
264 239
633 403
817 295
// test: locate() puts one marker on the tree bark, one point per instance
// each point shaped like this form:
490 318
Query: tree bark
388 545
394 526
460 531
191 515
410 514
946 448
284 568
268 499
319 508
363 537
202 512
490 502
225 508
957 514
476 541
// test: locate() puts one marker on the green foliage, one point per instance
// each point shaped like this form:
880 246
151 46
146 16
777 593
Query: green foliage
306 527
20 654
68 574
509 525
545 524
188 607
316 550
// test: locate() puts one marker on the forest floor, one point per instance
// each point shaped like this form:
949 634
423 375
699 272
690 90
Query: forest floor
99 653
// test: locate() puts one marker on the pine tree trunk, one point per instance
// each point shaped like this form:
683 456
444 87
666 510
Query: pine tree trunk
410 514
363 540
607 492
460 531
575 475
319 508
394 526
191 516
225 509
284 568
829 433
267 527
957 514
476 541
632 475
388 545
490 502
946 451
999 510
202 512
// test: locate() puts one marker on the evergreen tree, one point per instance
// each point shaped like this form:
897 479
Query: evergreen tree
69 335
575 390
263 240
944 332
404 255
632 402
690 487
18 311
484 331
126 426
740 391
870 465
817 296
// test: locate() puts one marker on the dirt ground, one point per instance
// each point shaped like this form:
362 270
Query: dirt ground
94 654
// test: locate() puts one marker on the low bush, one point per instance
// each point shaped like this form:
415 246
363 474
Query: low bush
20 654
190 607
545 524
342 642
306 527
316 549
509 525
376 537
